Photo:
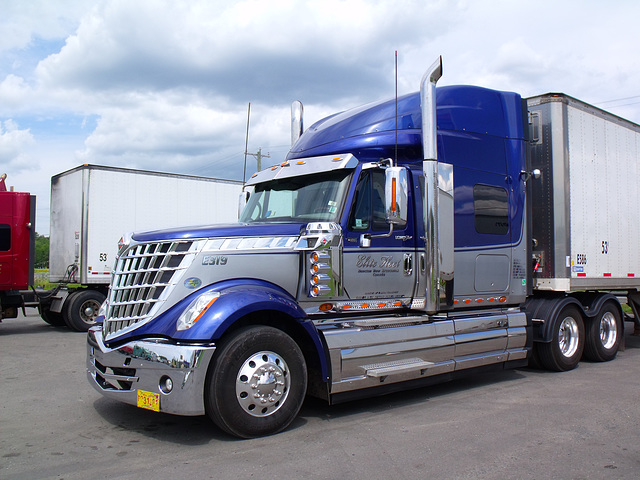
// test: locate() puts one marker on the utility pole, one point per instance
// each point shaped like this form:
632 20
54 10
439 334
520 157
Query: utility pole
259 156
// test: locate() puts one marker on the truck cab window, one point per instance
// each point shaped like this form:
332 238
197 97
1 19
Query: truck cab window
491 209
368 208
306 198
5 238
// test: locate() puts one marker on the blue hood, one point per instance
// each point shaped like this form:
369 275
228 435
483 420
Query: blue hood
222 230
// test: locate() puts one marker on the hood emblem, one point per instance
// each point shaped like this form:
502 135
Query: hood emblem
192 282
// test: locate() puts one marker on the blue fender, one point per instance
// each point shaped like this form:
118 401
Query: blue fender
238 299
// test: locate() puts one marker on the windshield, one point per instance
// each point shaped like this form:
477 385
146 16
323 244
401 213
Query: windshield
306 198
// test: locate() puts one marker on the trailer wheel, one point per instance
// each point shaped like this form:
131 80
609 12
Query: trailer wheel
83 309
604 334
52 318
565 349
256 383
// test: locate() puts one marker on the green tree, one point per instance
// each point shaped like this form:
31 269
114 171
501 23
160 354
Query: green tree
42 251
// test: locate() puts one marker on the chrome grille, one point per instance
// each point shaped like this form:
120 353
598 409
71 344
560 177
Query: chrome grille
143 277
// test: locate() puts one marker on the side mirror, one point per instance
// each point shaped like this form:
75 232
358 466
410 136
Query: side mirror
242 201
396 198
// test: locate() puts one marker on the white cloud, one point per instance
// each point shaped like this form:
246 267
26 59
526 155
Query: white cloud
22 21
13 142
14 93
242 49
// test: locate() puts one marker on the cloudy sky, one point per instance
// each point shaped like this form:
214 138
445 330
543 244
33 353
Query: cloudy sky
165 85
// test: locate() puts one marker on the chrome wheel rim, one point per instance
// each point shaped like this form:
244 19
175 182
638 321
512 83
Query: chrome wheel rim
262 384
89 311
608 330
568 337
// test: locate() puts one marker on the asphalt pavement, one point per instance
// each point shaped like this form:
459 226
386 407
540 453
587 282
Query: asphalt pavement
518 424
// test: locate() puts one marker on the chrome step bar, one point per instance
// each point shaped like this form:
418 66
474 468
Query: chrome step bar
378 370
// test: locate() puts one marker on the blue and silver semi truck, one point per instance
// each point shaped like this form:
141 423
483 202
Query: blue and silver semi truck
399 244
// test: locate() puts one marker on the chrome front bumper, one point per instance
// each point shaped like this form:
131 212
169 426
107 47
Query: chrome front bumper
144 365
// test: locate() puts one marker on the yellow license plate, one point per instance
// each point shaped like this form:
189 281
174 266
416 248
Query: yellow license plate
149 400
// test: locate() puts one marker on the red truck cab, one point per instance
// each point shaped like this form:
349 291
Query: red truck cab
17 241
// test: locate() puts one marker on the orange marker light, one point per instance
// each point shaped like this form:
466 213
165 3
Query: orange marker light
394 205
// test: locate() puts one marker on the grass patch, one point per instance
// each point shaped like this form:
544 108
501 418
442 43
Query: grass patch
41 280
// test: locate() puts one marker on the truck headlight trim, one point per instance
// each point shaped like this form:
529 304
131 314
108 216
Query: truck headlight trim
102 312
195 310
320 270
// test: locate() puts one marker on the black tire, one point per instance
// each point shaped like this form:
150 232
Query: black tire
83 309
604 334
66 307
52 318
249 410
565 349
534 358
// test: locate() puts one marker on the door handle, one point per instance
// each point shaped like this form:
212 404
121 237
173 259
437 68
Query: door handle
408 264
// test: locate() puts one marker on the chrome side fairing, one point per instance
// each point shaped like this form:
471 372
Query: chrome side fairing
373 351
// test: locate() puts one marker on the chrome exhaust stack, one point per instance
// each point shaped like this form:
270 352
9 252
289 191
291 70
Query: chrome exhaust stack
428 107
297 126
438 213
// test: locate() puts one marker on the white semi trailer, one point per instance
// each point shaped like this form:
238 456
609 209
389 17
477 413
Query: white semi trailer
93 206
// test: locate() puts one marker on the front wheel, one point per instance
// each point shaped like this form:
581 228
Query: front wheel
565 349
604 334
256 383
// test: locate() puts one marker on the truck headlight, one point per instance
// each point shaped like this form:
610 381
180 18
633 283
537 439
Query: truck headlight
196 309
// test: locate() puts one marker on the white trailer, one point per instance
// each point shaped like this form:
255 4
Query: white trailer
585 224
93 206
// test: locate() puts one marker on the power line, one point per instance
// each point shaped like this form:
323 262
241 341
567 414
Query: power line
619 100
624 104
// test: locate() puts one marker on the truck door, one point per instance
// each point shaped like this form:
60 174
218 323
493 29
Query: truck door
385 269
16 240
